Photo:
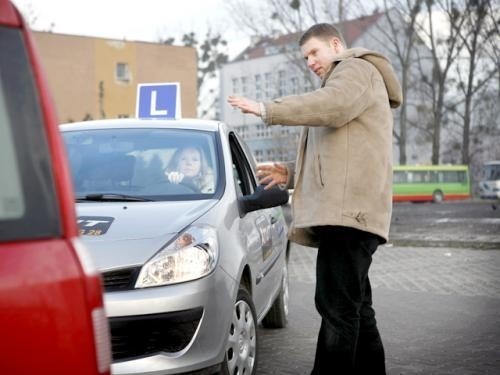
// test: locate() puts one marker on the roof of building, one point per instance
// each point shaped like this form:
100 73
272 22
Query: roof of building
351 30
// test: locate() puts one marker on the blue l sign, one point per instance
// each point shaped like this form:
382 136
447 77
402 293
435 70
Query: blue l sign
158 100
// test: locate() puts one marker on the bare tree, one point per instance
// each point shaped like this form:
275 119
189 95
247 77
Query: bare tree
400 38
478 33
269 17
211 56
485 134
444 51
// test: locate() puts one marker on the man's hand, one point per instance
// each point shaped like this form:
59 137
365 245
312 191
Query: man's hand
244 104
272 174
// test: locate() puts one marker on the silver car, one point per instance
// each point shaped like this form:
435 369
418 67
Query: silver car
193 253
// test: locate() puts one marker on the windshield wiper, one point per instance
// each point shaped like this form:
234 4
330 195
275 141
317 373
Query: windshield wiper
103 197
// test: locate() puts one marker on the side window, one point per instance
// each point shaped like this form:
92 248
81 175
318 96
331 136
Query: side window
242 172
400 177
28 204
434 176
122 72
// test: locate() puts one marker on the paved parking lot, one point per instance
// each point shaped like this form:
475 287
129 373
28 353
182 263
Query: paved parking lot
438 303
443 271
438 312
465 224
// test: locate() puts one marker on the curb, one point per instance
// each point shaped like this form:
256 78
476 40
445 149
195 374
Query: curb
475 245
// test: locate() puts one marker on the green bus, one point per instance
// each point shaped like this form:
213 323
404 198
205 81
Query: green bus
433 183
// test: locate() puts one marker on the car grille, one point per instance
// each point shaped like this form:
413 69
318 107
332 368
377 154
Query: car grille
117 280
142 335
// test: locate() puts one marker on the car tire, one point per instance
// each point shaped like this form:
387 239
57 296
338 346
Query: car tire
277 316
241 349
437 196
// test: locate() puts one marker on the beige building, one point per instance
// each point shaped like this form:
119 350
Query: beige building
94 78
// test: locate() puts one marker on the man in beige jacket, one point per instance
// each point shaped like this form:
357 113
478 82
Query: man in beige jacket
342 177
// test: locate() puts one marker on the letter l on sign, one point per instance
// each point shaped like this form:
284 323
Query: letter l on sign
153 109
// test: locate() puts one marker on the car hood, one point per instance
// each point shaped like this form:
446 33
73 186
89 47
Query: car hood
119 234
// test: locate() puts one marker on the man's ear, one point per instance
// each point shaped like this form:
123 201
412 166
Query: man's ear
336 44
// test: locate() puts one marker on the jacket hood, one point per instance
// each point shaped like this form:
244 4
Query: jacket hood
385 68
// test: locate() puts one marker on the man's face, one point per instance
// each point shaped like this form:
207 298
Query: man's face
319 54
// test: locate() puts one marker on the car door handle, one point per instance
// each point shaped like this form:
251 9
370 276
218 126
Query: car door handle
273 220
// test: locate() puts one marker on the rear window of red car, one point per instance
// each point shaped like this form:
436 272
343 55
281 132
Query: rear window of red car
28 205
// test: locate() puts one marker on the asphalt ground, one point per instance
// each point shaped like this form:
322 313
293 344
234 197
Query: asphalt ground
471 224
438 307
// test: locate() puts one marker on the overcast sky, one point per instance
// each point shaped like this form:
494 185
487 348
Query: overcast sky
143 20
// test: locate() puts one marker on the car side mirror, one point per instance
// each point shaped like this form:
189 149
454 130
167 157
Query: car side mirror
263 198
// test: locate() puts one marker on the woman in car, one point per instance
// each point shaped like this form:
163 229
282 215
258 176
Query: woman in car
189 166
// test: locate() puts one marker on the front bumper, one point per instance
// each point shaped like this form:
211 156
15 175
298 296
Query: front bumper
171 329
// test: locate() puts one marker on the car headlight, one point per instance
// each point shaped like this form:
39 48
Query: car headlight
193 254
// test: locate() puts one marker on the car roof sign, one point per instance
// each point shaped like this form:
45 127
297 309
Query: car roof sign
159 100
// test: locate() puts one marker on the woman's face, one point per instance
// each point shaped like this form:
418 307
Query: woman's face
190 162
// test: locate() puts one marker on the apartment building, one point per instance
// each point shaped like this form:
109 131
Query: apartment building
94 78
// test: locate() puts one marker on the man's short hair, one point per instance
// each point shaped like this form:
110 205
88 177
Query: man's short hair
323 31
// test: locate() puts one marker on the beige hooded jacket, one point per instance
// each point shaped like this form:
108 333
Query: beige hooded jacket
343 172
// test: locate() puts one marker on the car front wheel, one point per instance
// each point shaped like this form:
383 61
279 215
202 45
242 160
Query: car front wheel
241 349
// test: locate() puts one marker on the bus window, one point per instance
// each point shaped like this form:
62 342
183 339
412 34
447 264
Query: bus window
451 176
434 176
400 177
420 176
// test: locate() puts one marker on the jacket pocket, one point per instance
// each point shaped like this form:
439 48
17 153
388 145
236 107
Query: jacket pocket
319 171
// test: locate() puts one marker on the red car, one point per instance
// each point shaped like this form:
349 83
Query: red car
52 319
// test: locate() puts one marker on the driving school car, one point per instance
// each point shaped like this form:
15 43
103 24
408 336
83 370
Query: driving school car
190 264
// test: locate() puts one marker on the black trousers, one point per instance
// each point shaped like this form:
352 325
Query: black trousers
348 341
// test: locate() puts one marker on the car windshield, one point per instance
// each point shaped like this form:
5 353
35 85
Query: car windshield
492 172
142 164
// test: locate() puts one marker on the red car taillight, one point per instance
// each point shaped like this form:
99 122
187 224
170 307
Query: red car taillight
98 315
102 341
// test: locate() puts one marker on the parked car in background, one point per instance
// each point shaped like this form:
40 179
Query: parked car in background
192 251
490 180
52 319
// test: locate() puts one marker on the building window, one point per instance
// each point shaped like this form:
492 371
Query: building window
236 86
308 84
123 115
122 72
259 155
244 86
270 154
268 81
258 87
294 82
260 131
242 131
281 83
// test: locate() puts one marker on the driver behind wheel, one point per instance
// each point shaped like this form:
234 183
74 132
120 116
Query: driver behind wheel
189 166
